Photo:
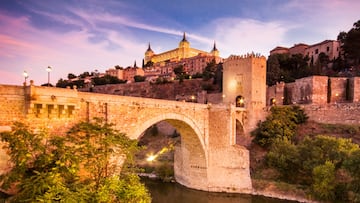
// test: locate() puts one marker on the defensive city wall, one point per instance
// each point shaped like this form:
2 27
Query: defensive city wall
325 99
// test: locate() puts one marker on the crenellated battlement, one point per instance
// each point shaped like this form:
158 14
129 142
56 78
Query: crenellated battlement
251 55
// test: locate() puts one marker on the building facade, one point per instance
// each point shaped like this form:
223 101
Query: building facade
193 60
329 47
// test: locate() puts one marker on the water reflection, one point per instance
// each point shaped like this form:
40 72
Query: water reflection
175 193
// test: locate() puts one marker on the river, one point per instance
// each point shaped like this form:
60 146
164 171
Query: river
175 193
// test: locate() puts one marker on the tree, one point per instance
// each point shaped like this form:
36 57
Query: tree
284 157
280 124
84 74
351 43
71 76
179 72
273 70
139 78
324 181
71 168
209 70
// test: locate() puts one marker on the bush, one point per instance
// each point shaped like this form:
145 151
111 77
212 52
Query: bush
280 124
284 157
324 181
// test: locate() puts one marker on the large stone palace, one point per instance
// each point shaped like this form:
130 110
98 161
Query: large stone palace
192 60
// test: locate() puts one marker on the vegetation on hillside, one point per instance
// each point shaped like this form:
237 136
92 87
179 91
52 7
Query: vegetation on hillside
71 168
326 167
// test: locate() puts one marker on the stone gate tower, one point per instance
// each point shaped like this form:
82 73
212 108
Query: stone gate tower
244 85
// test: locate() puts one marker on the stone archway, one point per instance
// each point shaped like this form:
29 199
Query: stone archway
190 157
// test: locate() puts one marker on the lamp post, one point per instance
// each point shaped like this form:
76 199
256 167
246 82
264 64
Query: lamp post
26 75
48 69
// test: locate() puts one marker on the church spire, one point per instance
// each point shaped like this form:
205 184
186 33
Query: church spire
214 48
184 38
149 48
215 51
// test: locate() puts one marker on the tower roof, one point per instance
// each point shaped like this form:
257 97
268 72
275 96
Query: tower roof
149 48
184 38
214 48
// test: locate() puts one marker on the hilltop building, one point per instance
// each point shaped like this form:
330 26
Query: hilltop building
193 60
125 74
329 47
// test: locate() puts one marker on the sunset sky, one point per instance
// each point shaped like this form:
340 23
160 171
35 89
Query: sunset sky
73 36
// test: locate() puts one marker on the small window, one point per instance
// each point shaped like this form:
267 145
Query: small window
272 102
316 51
240 102
71 110
327 49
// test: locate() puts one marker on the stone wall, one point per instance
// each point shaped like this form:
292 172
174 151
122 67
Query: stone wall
316 90
170 91
339 113
355 81
12 104
275 92
338 89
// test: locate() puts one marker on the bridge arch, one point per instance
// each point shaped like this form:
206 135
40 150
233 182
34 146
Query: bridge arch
191 157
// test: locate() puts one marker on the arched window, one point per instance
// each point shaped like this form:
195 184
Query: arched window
240 101
272 102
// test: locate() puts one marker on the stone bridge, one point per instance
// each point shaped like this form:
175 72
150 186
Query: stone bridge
209 157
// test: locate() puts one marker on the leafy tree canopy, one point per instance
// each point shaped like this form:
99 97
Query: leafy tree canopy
351 43
71 168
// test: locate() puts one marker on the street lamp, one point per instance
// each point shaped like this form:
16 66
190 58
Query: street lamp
48 69
26 75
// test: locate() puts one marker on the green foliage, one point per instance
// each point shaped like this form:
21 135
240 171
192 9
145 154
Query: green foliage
352 165
68 83
316 163
209 70
283 67
107 79
71 168
139 78
286 163
281 123
351 43
179 70
324 181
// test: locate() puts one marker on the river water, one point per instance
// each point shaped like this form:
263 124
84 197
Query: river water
175 193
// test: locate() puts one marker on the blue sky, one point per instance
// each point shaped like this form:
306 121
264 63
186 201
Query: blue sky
73 36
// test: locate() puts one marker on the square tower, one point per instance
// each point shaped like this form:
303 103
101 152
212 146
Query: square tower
244 81
244 85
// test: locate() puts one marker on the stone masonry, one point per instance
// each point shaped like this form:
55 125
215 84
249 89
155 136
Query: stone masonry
207 158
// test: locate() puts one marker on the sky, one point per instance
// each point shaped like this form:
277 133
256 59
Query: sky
74 36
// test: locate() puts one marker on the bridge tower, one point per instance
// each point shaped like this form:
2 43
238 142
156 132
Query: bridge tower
244 86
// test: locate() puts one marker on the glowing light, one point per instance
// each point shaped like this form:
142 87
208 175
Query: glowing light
151 158
232 84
